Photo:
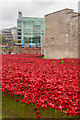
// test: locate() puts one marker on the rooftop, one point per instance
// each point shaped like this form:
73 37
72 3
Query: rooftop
70 10
32 18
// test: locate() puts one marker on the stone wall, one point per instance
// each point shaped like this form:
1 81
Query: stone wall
61 34
43 45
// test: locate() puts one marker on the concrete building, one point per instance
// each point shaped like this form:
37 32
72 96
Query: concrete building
30 30
8 35
61 35
43 46
14 33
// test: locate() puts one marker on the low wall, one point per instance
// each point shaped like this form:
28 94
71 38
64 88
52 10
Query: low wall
26 50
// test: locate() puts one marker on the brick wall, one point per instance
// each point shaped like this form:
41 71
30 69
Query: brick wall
26 50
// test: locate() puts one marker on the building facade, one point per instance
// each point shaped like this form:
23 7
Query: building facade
61 35
30 30
14 33
8 35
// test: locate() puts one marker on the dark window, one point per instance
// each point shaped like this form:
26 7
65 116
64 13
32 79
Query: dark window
19 41
19 37
19 29
19 33
19 21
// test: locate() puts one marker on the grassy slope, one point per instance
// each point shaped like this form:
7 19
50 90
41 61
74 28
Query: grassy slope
12 109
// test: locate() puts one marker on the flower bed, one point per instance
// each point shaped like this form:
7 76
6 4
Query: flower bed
43 82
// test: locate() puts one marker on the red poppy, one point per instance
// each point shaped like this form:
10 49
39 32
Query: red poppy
35 109
42 82
39 116
17 100
5 95
37 112
12 96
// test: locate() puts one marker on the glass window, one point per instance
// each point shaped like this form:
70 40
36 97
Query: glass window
19 29
19 37
19 33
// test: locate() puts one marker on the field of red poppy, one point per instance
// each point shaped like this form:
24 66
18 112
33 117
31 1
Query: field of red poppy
45 88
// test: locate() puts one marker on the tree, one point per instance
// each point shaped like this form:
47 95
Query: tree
13 41
2 39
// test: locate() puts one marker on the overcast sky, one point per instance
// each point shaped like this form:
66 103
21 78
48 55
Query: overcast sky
38 8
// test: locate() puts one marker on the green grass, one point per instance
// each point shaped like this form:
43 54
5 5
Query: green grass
12 109
62 61
42 57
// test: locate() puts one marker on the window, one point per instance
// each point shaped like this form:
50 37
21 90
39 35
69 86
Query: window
19 33
19 29
19 25
32 21
42 33
19 37
19 21
19 41
66 38
52 40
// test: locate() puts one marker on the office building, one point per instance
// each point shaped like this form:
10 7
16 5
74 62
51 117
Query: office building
30 30
8 35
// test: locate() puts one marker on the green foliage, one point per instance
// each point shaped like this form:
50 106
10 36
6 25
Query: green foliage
42 57
62 61
13 41
2 39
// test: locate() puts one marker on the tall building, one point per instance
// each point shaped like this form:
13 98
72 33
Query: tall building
8 35
30 30
14 33
61 35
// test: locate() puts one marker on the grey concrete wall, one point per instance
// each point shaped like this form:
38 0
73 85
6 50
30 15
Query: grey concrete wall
43 46
61 34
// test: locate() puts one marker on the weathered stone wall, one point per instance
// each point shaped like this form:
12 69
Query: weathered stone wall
74 35
43 45
61 34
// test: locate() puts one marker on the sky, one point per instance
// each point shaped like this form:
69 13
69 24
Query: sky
31 8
